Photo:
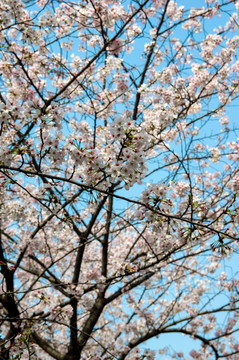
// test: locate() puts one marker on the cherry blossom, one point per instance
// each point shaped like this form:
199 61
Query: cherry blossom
118 179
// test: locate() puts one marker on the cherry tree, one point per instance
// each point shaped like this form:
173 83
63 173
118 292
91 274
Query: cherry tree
118 178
